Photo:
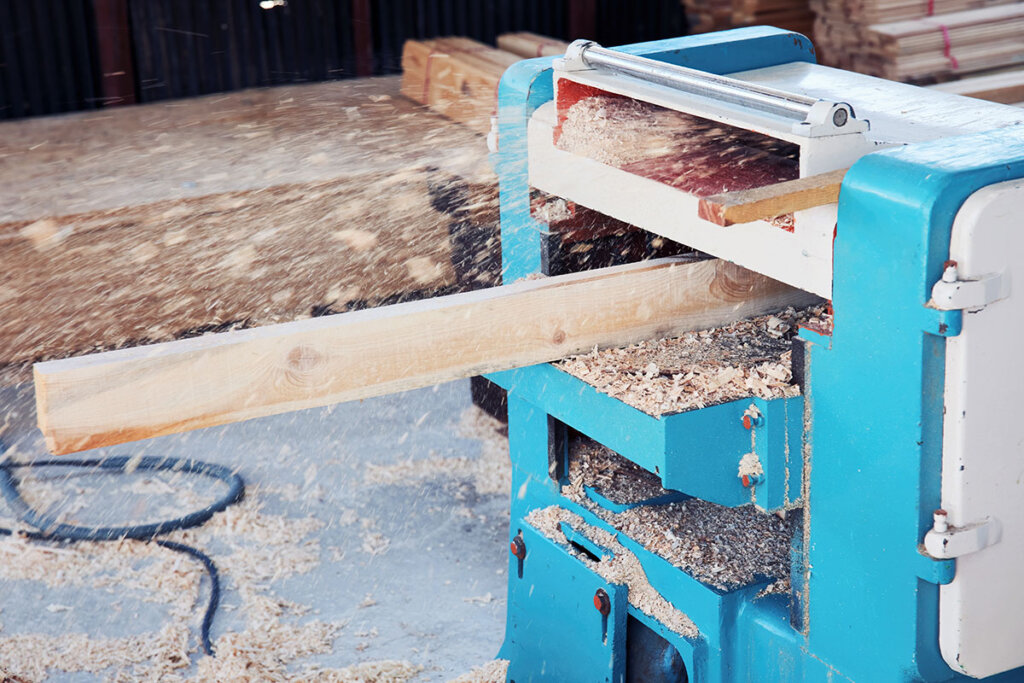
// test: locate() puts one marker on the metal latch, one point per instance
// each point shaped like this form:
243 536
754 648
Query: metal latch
944 542
953 294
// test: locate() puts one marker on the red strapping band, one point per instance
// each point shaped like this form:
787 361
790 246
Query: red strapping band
931 7
946 47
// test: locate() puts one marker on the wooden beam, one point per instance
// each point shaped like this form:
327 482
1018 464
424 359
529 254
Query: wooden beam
362 36
760 203
114 44
147 391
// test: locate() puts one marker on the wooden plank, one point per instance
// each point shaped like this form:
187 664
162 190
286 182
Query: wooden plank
142 392
528 45
770 201
1006 87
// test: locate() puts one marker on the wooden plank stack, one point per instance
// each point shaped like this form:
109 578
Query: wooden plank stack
527 45
920 41
456 77
717 15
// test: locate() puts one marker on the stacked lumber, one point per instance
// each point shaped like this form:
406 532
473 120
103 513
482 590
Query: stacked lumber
717 15
456 77
933 42
152 223
527 45
1006 87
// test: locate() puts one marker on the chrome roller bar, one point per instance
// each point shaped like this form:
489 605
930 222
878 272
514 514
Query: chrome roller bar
586 54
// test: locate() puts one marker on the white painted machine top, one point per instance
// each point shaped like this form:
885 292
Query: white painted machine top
899 113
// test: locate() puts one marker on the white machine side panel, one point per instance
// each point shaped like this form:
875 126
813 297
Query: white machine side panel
802 259
982 611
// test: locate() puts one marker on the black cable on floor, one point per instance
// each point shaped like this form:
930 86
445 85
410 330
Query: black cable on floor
50 529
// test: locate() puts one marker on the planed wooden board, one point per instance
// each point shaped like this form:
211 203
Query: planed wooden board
148 391
770 201
1006 87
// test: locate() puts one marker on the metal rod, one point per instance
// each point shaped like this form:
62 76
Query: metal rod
763 98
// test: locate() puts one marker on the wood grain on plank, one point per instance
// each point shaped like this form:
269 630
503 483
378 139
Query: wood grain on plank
770 201
456 77
148 391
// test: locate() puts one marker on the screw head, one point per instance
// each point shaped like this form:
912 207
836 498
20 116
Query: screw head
602 603
747 422
518 548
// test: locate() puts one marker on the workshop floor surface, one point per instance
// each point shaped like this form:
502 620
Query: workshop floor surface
372 532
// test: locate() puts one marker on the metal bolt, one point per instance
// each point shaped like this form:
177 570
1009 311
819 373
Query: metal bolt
940 523
602 603
751 480
950 272
840 117
518 548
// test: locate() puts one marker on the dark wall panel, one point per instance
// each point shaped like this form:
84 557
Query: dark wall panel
185 48
48 61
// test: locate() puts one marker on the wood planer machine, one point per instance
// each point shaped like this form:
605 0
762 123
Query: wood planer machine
898 469
864 524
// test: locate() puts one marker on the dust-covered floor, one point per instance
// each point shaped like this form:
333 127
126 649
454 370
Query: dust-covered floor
371 546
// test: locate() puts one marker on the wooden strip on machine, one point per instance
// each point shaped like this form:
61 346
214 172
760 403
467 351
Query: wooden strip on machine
147 391
778 199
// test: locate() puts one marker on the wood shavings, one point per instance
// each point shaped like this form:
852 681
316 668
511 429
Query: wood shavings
623 568
723 547
698 369
614 477
492 672
257 549
490 473
750 466
375 543
695 155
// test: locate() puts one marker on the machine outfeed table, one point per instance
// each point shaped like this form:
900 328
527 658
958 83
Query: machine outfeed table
908 403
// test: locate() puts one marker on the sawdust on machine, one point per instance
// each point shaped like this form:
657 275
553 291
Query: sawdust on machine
622 567
721 546
749 358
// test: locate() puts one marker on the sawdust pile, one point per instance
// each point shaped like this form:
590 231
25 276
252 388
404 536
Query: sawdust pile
746 359
617 130
491 672
489 474
622 567
254 548
721 546
616 478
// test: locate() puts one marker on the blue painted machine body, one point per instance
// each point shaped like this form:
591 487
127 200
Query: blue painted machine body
864 462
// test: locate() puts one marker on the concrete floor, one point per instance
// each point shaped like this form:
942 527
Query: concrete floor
431 585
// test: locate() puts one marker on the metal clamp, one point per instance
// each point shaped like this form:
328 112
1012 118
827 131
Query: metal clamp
953 294
944 542
813 117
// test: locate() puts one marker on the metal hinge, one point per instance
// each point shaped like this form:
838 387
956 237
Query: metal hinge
953 294
944 542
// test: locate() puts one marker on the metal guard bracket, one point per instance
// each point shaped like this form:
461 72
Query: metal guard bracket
962 540
953 294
